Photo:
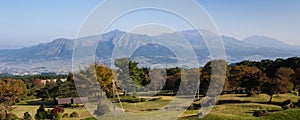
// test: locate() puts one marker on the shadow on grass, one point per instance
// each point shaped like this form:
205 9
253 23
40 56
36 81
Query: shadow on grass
272 103
191 117
252 111
220 102
47 103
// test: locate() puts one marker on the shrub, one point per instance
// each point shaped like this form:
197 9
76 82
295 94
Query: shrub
27 116
142 100
298 103
260 113
130 99
2 116
154 99
57 110
41 113
101 110
57 116
191 107
11 116
66 115
74 115
194 106
287 105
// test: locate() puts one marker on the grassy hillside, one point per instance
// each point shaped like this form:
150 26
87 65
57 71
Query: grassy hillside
229 107
293 114
239 107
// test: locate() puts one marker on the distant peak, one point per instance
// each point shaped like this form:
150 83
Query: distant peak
262 38
61 40
115 31
265 41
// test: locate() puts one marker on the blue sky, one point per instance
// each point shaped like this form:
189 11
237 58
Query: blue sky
29 22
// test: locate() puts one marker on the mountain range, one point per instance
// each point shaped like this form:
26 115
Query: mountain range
251 48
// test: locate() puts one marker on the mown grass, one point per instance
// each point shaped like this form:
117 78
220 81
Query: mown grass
229 107
292 114
147 106
240 107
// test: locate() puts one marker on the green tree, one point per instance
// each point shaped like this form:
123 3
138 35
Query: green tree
41 113
68 88
27 116
130 76
50 90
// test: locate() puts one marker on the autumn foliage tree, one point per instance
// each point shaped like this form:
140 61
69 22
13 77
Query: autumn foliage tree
253 80
105 76
10 92
280 83
214 75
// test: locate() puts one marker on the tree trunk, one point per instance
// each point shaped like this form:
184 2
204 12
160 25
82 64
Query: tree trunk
271 96
155 88
124 93
6 113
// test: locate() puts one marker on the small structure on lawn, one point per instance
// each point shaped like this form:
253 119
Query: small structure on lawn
69 101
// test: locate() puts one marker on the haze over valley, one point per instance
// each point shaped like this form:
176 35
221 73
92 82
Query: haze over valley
56 56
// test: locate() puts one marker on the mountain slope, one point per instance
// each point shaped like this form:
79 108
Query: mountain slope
258 47
263 41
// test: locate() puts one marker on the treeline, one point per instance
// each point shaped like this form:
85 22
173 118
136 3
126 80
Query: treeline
249 77
46 86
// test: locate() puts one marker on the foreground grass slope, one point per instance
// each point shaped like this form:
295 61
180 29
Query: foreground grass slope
229 107
293 114
240 107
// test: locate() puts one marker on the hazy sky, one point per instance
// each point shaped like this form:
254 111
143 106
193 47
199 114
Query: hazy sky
28 22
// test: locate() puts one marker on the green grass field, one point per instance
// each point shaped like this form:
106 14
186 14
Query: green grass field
239 107
230 107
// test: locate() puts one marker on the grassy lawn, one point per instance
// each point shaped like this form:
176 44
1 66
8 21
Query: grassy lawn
147 106
229 107
20 109
239 107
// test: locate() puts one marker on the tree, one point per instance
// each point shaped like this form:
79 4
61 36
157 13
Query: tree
68 88
105 76
41 113
214 76
125 82
253 80
297 79
281 83
27 116
10 92
286 76
271 87
235 76
130 76
38 83
158 77
50 90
